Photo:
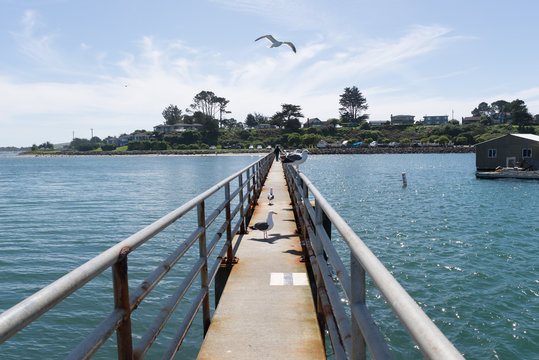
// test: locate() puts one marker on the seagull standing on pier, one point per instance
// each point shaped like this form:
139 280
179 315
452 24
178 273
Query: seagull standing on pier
270 196
264 226
296 159
276 43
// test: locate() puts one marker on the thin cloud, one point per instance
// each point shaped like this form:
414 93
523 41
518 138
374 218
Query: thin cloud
33 44
161 72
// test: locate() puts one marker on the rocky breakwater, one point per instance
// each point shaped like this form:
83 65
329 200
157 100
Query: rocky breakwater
396 150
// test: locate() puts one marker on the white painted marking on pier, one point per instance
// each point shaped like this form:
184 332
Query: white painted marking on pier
300 279
288 279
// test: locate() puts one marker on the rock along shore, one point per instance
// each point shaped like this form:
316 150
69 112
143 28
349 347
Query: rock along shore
323 151
396 150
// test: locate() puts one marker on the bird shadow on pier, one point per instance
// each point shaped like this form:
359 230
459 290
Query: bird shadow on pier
294 252
272 238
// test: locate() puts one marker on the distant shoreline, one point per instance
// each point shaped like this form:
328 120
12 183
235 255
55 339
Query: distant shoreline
323 151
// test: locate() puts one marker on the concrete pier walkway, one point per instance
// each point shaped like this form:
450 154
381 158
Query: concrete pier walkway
266 310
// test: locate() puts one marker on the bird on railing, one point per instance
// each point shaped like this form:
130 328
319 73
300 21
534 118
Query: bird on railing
277 43
270 196
264 226
296 159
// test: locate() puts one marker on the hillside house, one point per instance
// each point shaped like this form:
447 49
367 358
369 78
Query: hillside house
402 119
521 150
435 119
471 120
169 129
122 140
314 122
349 124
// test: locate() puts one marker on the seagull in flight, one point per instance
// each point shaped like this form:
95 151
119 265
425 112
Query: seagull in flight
276 43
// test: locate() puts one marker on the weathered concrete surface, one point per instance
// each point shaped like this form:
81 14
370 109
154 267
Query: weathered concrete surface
260 315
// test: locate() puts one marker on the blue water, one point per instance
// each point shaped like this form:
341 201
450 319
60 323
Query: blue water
465 249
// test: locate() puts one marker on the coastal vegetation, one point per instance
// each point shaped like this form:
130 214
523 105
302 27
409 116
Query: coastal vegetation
217 132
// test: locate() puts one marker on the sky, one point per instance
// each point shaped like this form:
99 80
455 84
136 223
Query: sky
77 68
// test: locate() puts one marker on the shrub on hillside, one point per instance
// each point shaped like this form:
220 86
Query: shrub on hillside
108 147
461 140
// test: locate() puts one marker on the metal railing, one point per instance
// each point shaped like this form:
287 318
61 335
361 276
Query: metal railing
249 186
350 326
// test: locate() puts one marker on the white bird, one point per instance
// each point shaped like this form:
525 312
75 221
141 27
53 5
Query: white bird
264 226
270 196
276 43
296 159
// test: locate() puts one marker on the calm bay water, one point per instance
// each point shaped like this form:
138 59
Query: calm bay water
465 249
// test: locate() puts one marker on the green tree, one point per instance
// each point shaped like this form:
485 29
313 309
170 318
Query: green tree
482 109
83 145
288 117
499 106
261 119
519 113
231 124
190 137
208 103
292 125
310 140
172 115
46 146
222 103
277 120
352 104
210 127
250 121
294 139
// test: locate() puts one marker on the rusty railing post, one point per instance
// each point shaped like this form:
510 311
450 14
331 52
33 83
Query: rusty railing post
249 191
121 301
256 173
304 199
358 291
243 228
204 271
229 254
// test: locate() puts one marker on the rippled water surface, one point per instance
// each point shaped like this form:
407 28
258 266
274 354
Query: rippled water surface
465 249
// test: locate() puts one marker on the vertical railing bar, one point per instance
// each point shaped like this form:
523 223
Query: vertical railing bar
358 296
248 193
204 272
124 341
257 180
228 225
243 228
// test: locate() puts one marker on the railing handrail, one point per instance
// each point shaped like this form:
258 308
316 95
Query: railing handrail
20 315
430 340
